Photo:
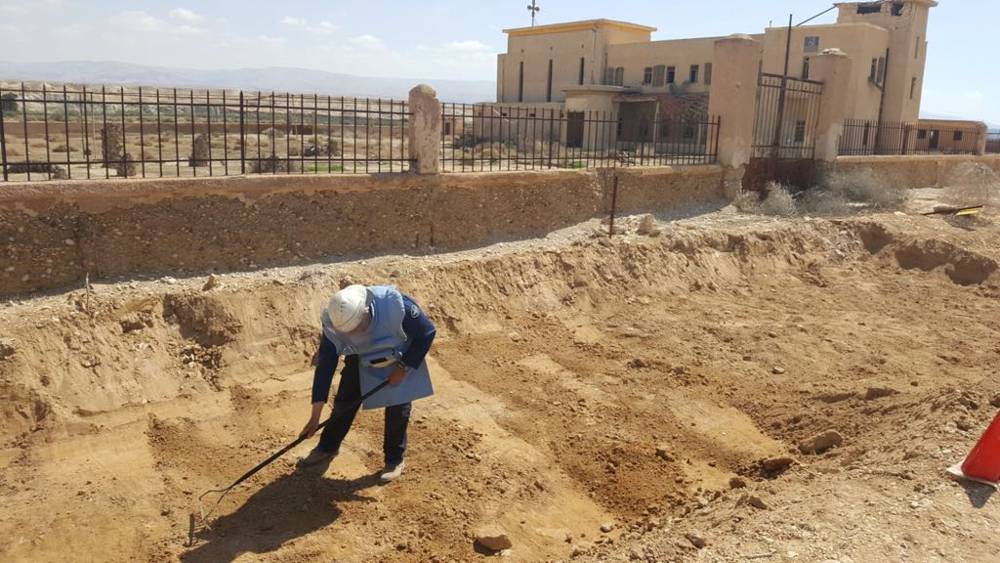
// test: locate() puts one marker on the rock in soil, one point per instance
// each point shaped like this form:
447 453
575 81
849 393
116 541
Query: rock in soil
879 392
696 540
821 442
494 544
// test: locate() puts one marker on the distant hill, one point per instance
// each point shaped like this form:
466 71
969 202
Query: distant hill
295 80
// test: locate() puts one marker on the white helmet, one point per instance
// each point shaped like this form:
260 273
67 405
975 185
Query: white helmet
348 308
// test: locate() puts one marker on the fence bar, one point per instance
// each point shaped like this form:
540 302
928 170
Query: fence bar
3 142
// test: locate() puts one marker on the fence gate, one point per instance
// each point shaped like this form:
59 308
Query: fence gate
784 140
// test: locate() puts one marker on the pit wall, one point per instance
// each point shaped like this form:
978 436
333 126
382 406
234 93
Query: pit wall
916 171
54 234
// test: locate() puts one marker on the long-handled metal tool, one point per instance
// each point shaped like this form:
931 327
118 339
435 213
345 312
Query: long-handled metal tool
204 516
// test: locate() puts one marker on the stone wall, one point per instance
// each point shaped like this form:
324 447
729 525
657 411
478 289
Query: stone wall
915 171
53 234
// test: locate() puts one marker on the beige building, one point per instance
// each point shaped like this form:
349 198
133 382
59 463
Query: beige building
607 65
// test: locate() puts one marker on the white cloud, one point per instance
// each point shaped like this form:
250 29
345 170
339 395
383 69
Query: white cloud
470 46
11 11
367 41
137 20
324 27
268 40
293 21
134 20
186 15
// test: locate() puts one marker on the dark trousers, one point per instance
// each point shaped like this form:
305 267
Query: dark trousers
397 418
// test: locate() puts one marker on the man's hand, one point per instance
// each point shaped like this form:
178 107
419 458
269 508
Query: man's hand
397 376
313 424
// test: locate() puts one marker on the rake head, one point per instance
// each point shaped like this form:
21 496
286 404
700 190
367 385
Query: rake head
201 521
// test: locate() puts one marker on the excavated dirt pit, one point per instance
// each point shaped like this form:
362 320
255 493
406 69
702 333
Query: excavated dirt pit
649 386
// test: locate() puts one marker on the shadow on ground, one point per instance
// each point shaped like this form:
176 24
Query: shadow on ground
290 507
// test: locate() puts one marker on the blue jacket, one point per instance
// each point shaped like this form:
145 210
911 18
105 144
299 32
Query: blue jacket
400 327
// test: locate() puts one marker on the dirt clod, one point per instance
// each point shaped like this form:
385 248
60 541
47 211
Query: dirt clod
822 442
878 393
494 544
696 540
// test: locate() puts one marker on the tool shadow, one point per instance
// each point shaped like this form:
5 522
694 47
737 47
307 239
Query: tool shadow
978 493
290 507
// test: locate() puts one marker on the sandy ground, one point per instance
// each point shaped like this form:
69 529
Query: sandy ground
596 400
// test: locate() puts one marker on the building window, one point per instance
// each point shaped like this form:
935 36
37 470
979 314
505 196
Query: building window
958 136
870 8
880 79
689 132
916 49
548 88
647 75
520 82
913 87
868 130
805 68
921 134
609 77
620 76
693 77
873 76
671 75
812 44
659 75
800 131
708 74
582 66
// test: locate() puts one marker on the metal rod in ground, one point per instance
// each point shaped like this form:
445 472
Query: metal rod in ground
3 146
614 206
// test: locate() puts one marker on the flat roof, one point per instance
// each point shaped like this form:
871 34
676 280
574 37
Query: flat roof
578 26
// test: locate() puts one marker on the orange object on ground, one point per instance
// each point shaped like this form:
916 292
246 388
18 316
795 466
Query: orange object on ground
983 464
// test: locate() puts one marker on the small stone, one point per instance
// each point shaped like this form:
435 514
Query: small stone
737 483
963 424
821 442
696 540
995 401
494 544
757 503
211 283
7 348
777 370
70 242
663 453
772 467
168 280
607 527
879 392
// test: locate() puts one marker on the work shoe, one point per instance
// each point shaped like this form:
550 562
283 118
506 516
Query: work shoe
392 472
315 458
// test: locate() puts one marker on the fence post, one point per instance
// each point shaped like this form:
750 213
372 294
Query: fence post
243 146
3 142
733 100
833 67
425 130
982 135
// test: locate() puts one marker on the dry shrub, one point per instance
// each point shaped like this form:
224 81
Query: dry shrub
274 164
863 189
61 147
778 201
972 183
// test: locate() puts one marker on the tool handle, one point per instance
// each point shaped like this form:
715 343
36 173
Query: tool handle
301 439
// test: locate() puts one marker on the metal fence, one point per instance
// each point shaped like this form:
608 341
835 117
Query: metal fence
993 142
787 116
141 132
869 137
493 137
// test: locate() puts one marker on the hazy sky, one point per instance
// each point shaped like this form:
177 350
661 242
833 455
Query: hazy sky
441 38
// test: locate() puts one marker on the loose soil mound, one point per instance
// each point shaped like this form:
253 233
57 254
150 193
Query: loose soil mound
630 399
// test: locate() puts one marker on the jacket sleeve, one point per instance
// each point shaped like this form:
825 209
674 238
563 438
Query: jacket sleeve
419 331
326 364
